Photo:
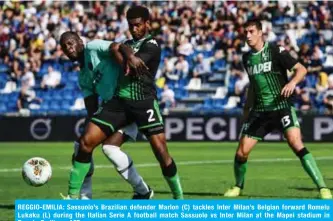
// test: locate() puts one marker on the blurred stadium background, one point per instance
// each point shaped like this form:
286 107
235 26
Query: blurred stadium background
200 80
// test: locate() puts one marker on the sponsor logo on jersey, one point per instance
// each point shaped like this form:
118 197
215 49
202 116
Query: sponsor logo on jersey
260 68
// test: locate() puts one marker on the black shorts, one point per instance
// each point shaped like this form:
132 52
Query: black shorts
259 124
110 117
118 113
146 114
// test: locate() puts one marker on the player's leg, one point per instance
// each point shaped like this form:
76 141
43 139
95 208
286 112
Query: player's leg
292 132
167 164
150 122
254 129
105 121
86 189
245 146
123 162
92 137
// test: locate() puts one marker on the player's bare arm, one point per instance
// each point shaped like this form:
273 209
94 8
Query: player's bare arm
300 72
125 56
133 61
114 51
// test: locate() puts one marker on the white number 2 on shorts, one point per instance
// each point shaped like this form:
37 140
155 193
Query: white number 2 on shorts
151 115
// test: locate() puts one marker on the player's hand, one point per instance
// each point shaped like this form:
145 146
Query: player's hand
137 66
288 89
126 69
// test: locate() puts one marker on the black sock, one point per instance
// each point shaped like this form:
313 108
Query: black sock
240 160
240 167
83 157
302 152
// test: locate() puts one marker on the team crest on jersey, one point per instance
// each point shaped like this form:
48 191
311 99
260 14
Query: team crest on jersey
264 56
260 68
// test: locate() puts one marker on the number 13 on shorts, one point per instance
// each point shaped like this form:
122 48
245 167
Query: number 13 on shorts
289 120
285 121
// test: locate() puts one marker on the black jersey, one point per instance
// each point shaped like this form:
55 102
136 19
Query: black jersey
141 87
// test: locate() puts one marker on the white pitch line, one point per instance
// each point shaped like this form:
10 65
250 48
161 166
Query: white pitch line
264 160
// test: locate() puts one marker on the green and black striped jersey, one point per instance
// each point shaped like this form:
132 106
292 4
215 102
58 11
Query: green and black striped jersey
141 87
267 70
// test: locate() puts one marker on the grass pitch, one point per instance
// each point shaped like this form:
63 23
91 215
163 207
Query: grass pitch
206 171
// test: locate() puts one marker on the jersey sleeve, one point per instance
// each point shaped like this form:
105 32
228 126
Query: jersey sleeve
284 58
244 61
148 51
100 46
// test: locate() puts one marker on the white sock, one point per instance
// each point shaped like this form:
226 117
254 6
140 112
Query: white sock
86 189
124 165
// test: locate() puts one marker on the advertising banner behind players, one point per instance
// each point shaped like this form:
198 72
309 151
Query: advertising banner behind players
177 128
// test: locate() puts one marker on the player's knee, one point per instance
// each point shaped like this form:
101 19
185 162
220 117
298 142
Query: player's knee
158 142
117 139
295 142
242 153
86 145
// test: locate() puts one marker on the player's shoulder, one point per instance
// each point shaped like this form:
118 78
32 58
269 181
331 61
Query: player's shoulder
128 42
246 55
151 44
93 44
277 48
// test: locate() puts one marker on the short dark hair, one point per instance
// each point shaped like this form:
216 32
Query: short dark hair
254 22
68 35
138 11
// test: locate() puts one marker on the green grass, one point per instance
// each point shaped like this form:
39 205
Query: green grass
206 171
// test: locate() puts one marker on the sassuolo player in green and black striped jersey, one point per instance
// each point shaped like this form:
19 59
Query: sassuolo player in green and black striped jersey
269 106
135 97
